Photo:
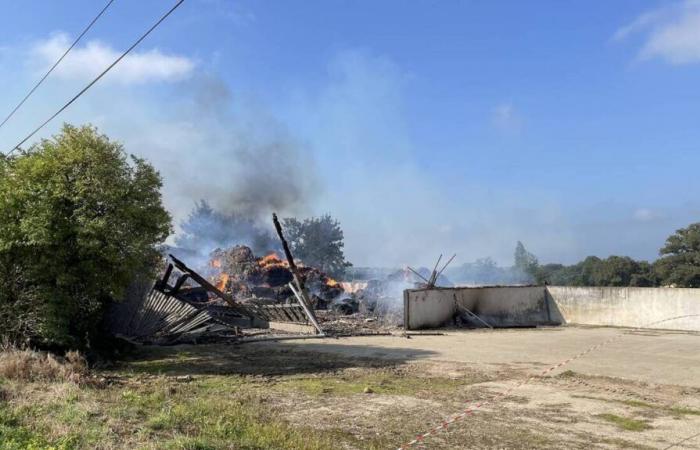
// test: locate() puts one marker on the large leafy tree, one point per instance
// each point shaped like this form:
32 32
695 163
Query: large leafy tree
621 271
205 229
525 262
79 220
680 258
318 242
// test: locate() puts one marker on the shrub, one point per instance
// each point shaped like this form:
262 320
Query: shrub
78 221
29 365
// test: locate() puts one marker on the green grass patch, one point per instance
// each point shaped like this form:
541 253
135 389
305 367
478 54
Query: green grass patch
625 423
675 410
383 382
637 404
682 411
215 413
15 436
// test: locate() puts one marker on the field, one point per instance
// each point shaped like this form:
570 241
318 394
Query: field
641 391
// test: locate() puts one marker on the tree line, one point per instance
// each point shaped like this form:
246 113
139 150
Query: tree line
677 266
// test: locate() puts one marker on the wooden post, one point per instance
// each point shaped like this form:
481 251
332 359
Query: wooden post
302 297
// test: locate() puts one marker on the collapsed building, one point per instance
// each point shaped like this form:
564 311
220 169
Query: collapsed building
237 290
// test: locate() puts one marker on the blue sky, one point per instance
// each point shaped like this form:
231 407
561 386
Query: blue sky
425 127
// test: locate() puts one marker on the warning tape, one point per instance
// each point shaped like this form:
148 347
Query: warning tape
472 409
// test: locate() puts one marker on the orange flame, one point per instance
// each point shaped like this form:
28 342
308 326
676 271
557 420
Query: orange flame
272 260
223 280
331 282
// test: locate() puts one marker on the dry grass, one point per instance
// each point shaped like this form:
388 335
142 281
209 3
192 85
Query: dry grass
29 365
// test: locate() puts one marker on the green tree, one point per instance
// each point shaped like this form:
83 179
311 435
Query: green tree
679 264
549 273
317 242
614 271
525 262
205 229
79 220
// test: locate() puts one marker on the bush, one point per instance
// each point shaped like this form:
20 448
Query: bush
29 365
78 221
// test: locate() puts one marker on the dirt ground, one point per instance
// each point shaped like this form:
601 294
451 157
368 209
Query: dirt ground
640 391
376 392
655 356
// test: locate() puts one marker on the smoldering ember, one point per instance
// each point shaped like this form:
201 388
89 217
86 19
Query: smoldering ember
347 225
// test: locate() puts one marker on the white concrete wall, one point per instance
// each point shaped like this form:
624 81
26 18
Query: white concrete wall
509 306
626 306
506 306
428 308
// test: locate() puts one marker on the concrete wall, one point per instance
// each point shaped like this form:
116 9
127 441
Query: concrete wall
508 306
626 307
428 308
514 306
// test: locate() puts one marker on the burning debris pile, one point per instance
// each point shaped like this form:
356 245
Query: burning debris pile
237 288
246 277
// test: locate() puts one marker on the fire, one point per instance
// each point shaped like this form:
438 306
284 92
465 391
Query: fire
216 263
223 280
272 260
330 282
353 286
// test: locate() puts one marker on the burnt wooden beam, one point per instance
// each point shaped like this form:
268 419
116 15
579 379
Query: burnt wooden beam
287 251
202 281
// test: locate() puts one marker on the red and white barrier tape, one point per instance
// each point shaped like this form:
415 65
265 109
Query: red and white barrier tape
470 411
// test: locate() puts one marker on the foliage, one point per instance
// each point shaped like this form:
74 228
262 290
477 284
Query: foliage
594 271
78 221
205 229
525 263
485 271
679 264
318 242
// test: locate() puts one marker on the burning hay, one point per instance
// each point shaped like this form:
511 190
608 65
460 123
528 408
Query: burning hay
240 289
246 277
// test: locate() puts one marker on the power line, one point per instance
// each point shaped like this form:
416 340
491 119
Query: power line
19 105
116 61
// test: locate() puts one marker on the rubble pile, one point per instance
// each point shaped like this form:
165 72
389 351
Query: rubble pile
238 272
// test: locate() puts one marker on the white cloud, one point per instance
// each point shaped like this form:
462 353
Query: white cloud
645 215
671 33
86 62
506 118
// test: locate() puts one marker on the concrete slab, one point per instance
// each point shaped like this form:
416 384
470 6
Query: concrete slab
652 356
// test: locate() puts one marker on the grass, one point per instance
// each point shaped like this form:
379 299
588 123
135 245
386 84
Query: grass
148 405
683 410
677 411
243 398
625 423
29 365
382 382
162 414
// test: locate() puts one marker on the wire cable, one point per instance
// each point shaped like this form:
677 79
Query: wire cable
116 61
19 105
